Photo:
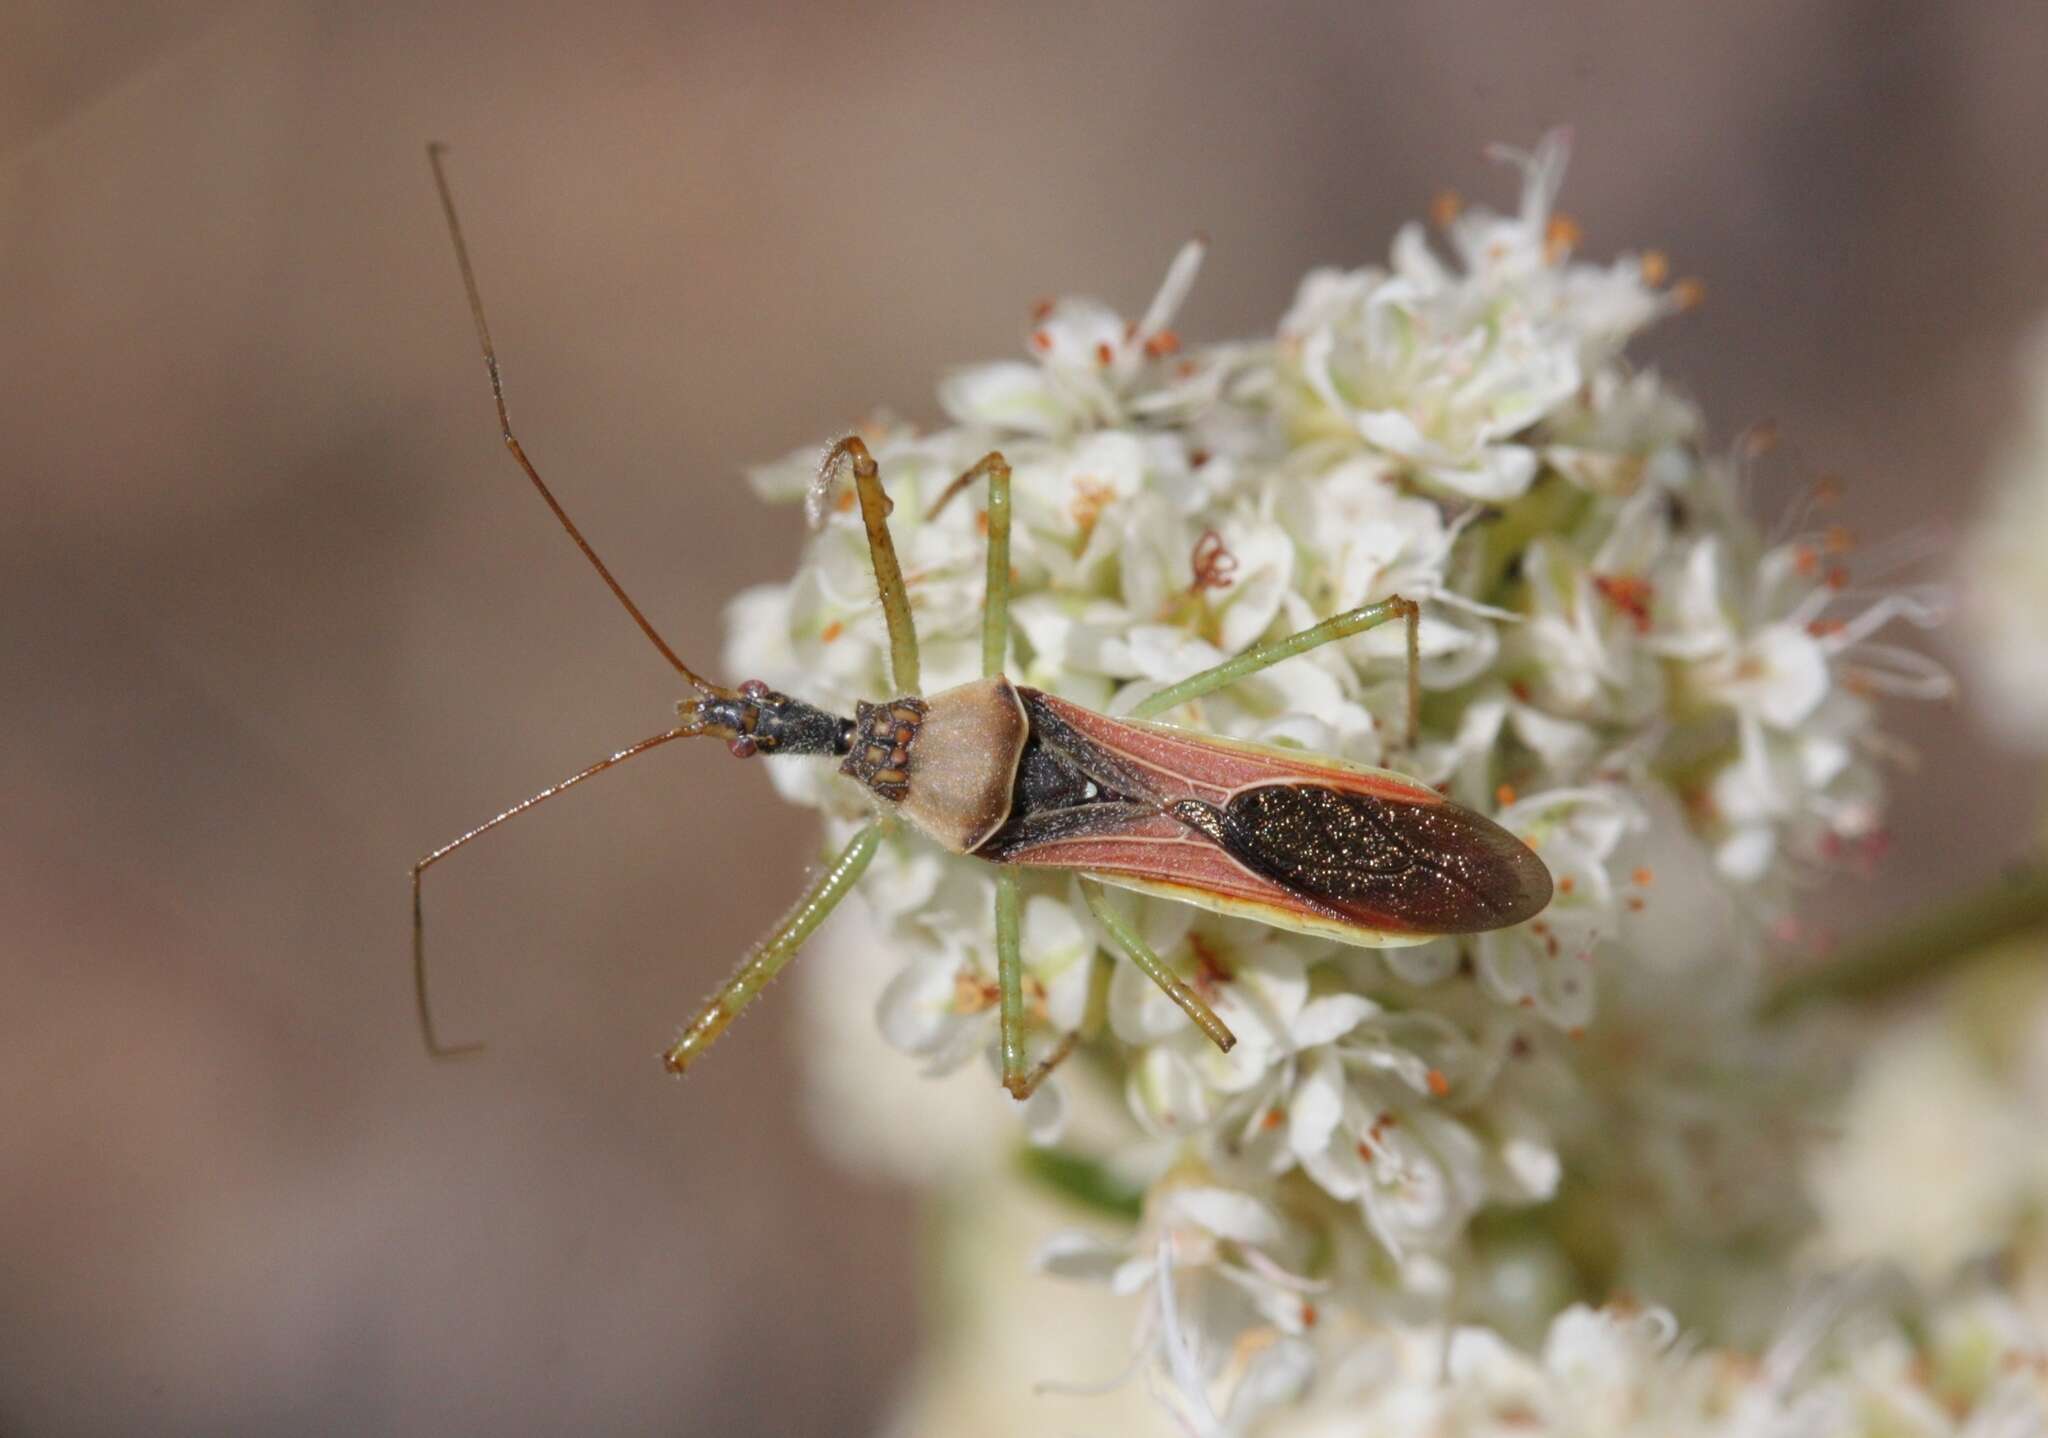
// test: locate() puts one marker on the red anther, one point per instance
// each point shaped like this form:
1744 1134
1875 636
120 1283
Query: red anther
1214 565
1041 341
1103 353
742 746
753 689
1629 593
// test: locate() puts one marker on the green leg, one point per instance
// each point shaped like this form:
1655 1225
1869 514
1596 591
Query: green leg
1343 626
874 514
769 956
1010 985
1140 953
995 622
995 617
1020 1076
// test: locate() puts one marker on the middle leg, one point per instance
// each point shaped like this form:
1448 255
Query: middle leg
1020 1076
995 619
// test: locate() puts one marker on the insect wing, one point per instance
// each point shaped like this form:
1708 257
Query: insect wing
1297 840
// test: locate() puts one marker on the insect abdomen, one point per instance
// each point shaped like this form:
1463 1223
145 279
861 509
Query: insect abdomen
1434 868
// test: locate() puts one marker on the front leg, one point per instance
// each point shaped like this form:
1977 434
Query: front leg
768 957
874 516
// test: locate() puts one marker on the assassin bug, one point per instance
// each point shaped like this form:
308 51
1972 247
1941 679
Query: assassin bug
1018 778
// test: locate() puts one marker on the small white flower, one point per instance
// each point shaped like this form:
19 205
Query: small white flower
1436 376
1225 1316
1089 368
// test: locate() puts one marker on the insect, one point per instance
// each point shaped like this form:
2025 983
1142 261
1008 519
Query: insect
1017 778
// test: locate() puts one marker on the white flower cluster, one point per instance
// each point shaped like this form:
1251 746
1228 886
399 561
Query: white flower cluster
1671 709
1970 1369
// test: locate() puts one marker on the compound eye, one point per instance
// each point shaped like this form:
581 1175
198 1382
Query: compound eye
742 746
754 689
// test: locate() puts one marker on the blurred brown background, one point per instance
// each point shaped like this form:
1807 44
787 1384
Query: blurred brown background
279 615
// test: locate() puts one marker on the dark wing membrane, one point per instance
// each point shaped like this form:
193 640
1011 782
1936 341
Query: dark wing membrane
1430 868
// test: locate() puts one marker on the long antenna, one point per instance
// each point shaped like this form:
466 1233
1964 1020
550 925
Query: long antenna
702 685
428 1034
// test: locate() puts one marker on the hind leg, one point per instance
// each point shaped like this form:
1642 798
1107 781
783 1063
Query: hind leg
1264 656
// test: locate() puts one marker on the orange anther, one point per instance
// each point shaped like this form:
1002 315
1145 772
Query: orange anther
832 631
1655 267
1040 308
1040 340
1504 796
1690 292
1566 883
1438 1084
1445 207
1103 353
1560 237
1165 343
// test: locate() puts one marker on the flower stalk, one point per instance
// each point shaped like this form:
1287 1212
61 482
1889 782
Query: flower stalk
1924 948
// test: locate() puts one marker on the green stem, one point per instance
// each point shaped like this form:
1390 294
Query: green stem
1553 504
1923 947
1082 1180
